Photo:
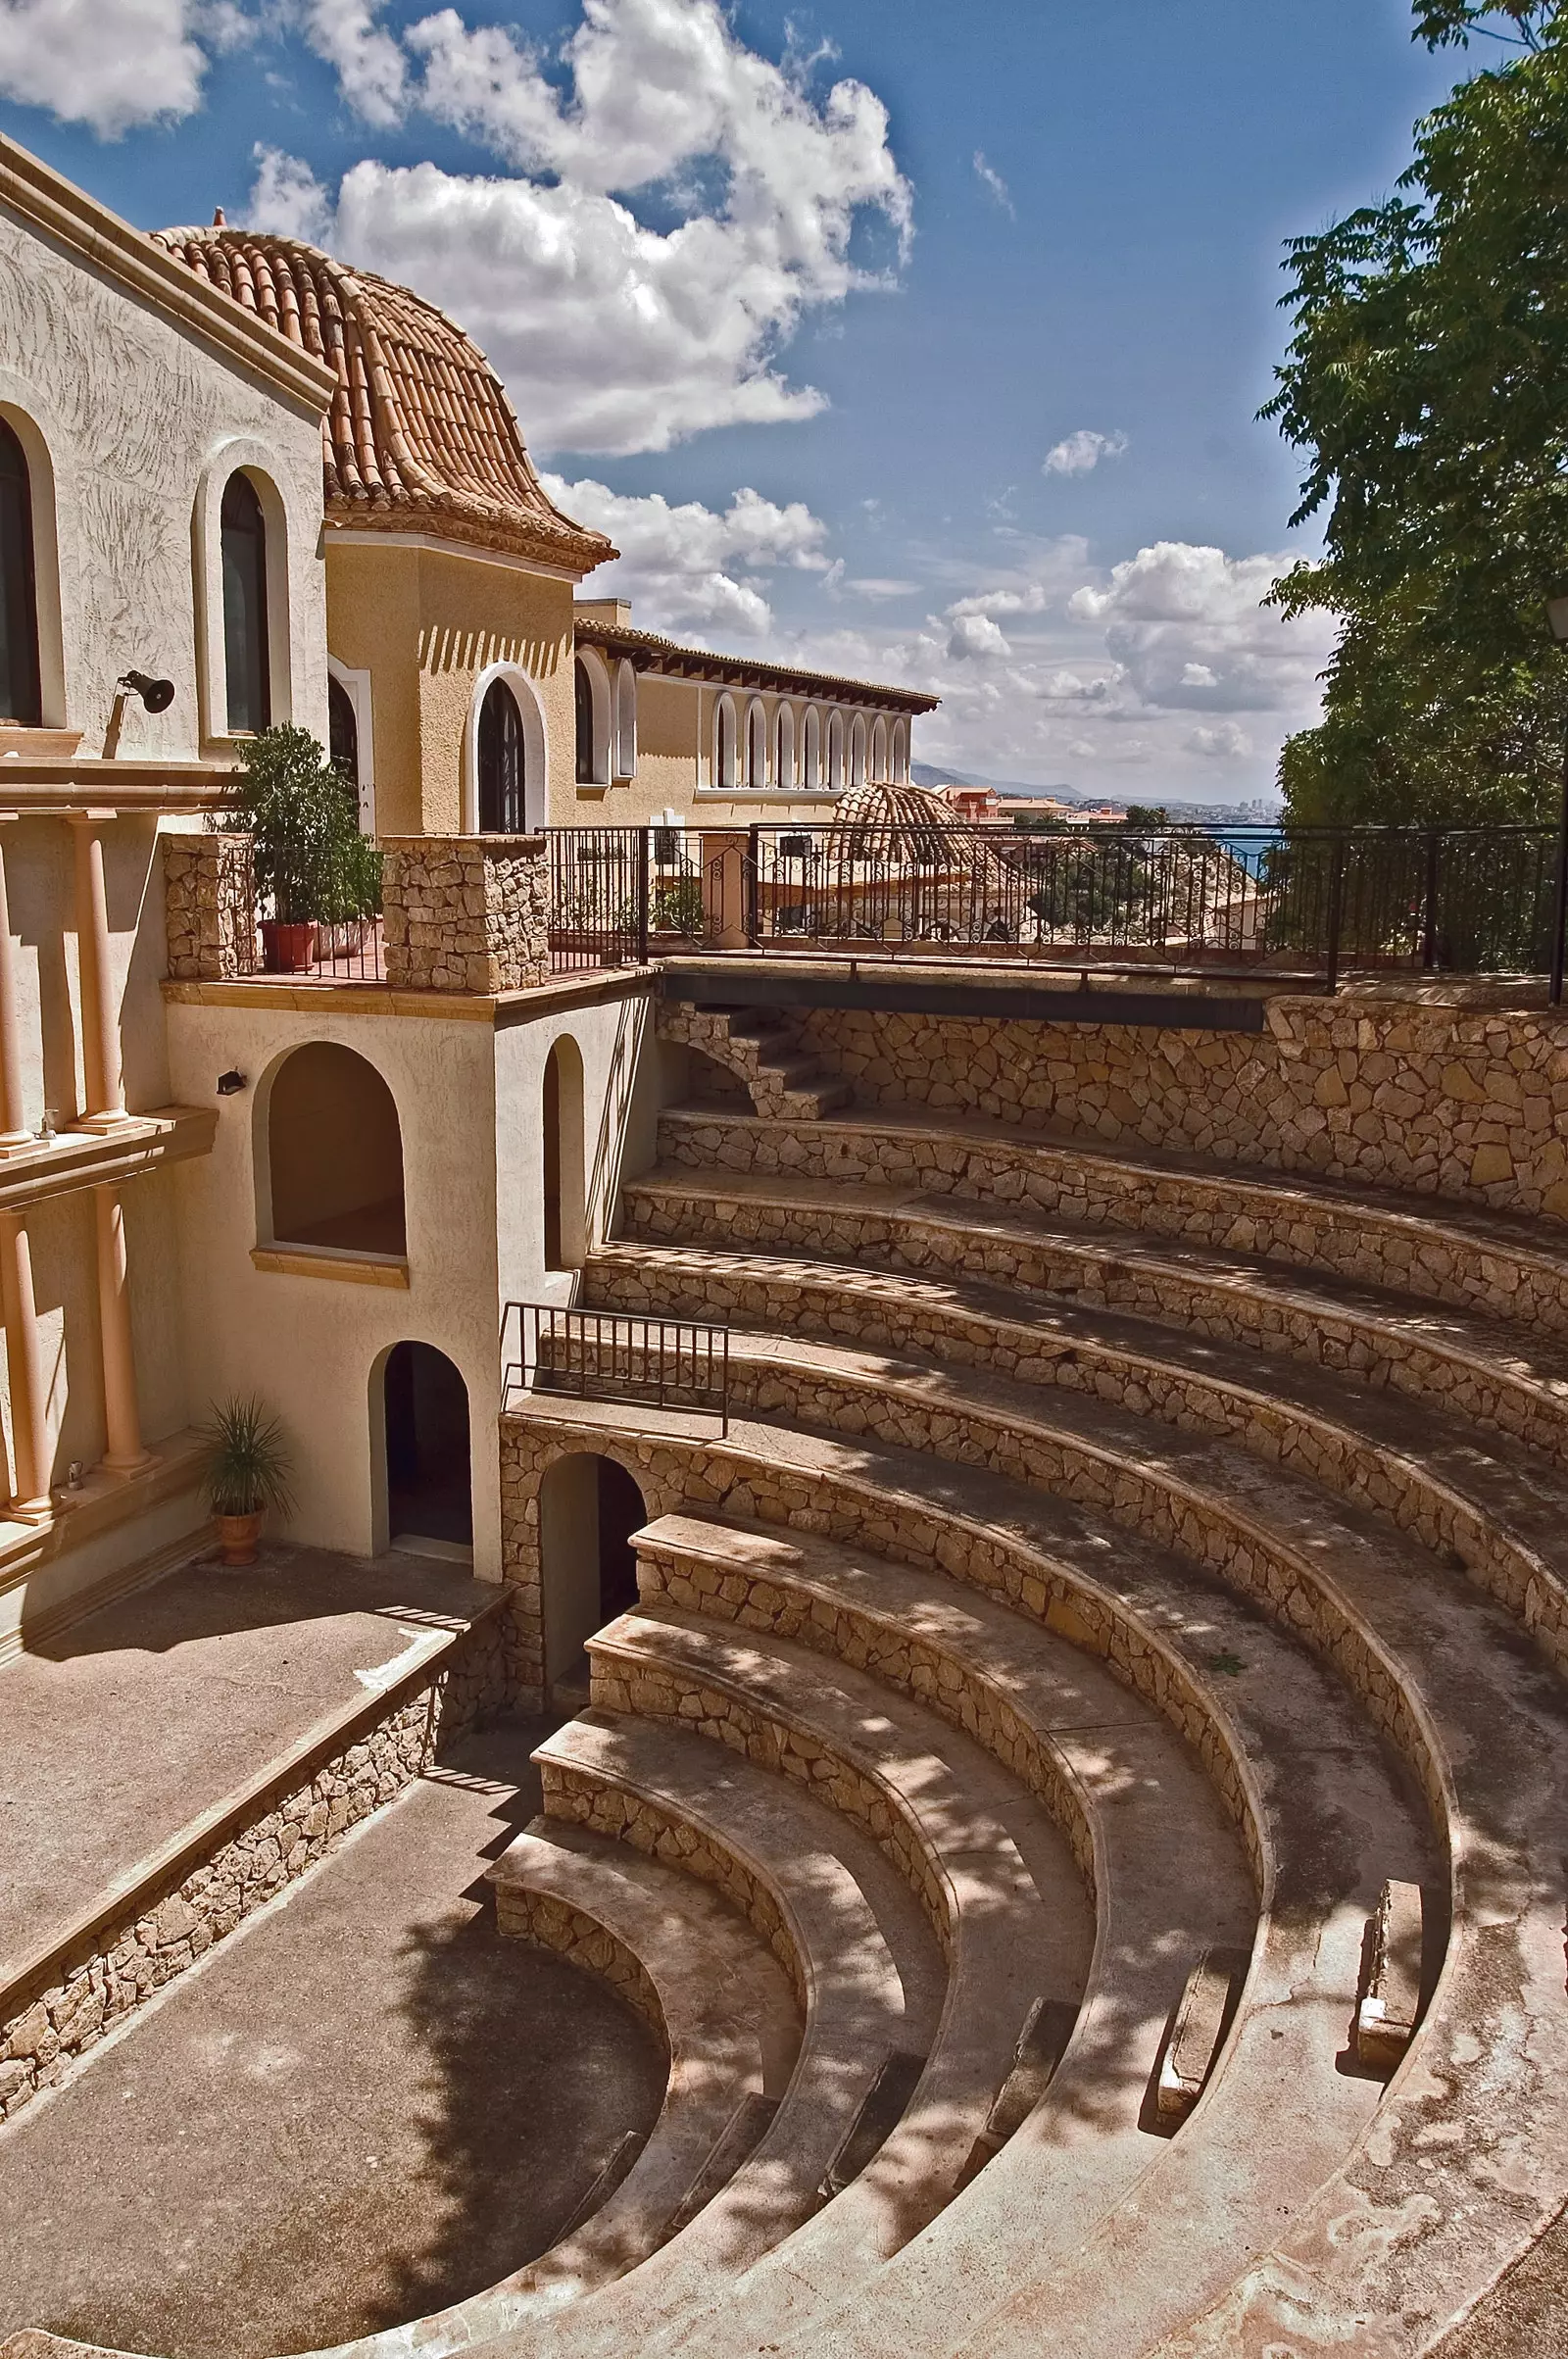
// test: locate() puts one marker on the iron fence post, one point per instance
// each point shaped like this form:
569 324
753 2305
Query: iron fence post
645 854
1560 904
1429 920
754 855
1336 912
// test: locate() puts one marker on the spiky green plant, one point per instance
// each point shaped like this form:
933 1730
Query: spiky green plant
248 1461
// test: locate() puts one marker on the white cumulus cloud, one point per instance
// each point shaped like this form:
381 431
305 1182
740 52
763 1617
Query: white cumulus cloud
1080 453
371 68
690 568
110 63
287 200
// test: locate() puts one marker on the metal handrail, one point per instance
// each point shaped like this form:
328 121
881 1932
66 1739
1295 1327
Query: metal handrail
629 1357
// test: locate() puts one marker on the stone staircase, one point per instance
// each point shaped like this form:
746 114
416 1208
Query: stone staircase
759 1049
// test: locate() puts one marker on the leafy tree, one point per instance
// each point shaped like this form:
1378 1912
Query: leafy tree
1427 381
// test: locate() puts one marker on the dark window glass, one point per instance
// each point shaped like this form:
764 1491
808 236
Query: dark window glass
343 731
500 764
244 536
585 724
19 699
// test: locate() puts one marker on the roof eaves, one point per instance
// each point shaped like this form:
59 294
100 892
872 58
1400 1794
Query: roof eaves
742 672
55 205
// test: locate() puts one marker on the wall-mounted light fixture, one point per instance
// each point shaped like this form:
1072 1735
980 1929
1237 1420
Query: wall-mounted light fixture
155 695
231 1084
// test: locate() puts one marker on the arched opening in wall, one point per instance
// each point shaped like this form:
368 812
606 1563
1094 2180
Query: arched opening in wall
756 746
501 763
343 731
566 1207
879 752
334 1154
901 754
858 751
583 696
21 690
835 750
811 748
724 748
784 747
247 671
589 1507
626 720
429 1487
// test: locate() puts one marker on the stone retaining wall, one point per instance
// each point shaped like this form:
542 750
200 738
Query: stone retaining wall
466 912
1396 1094
548 1923
167 1929
209 907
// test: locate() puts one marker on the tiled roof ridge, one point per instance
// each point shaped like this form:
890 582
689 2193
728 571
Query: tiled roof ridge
420 434
628 639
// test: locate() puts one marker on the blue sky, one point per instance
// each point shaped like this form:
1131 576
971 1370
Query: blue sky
924 341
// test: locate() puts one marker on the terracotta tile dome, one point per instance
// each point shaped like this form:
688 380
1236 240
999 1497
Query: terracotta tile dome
420 435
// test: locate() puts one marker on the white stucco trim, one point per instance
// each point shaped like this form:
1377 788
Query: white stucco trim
625 720
267 469
351 539
535 749
40 437
356 686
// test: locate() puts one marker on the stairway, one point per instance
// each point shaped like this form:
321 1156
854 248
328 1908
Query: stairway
759 1049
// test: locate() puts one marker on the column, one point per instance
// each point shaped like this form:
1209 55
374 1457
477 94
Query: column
15 1136
29 1438
102 1077
122 1419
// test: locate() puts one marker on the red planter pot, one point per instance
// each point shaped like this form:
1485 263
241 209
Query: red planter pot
289 950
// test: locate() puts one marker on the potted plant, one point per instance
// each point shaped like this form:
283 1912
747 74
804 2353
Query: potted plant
313 866
246 1472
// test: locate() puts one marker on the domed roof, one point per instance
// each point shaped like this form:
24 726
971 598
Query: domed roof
884 821
420 435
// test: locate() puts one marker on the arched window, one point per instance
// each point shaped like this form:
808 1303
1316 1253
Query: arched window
334 1154
21 698
564 1201
343 731
835 751
501 763
626 722
756 746
879 749
811 748
784 746
583 690
901 753
725 763
245 652
858 751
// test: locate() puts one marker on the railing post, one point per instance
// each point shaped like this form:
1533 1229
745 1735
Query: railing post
1560 903
645 854
1336 912
754 899
1429 926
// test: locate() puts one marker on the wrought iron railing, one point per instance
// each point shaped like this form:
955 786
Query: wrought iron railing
615 1355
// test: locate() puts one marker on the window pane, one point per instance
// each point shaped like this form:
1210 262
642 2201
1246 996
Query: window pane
244 539
19 699
501 763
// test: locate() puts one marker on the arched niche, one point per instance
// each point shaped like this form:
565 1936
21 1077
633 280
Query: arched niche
562 1150
755 743
420 1406
589 1506
726 737
330 1155
880 751
835 751
784 745
811 748
858 751
901 753
626 764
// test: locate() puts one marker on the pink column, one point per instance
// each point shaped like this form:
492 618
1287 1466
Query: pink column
29 1439
103 1083
15 1136
122 1419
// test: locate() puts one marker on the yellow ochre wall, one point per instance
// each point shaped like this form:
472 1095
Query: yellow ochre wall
425 623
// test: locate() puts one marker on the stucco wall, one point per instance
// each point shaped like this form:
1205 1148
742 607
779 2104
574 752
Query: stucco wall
134 411
1393 1094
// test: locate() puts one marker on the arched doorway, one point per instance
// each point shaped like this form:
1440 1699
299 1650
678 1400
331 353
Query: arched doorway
566 1211
502 763
589 1507
429 1487
334 1154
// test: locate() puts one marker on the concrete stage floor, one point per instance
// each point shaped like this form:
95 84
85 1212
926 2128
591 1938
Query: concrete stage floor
123 1729
365 2104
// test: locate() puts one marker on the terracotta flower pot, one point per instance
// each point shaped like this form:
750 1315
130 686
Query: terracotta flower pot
289 950
237 1536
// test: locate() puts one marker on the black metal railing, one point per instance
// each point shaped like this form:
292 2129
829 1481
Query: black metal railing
350 952
1314 899
615 1355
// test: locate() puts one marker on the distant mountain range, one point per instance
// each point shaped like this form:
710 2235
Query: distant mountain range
1258 813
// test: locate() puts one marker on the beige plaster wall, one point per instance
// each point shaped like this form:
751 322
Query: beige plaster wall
1393 1094
426 625
132 413
309 1344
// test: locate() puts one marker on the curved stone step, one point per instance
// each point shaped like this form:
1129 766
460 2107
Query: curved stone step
1430 1245
1003 1891
849 1933
1503 1515
1333 1813
1499 1377
1176 1637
